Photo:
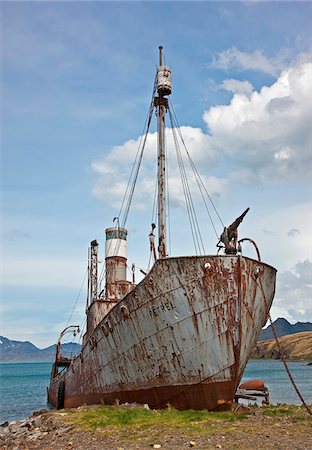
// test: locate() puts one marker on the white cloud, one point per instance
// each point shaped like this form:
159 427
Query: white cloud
281 245
234 59
38 271
114 169
269 132
265 137
294 292
278 237
237 86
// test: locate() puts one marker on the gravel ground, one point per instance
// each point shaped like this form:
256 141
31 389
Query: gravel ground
54 430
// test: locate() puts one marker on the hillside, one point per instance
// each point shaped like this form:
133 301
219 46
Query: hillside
17 351
283 327
295 346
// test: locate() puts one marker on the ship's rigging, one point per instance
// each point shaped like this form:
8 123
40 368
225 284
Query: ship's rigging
162 105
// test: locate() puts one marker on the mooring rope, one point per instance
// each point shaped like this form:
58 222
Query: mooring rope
282 356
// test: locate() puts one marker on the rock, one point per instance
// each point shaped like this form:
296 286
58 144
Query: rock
192 443
156 446
37 422
14 427
4 424
40 412
145 406
34 436
49 425
4 431
218 446
27 424
63 430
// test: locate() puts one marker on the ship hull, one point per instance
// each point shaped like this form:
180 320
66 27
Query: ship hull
181 337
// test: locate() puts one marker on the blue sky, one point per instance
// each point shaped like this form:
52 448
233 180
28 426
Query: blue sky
76 81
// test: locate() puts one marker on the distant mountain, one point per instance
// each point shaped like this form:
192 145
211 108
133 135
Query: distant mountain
68 350
283 327
295 346
17 351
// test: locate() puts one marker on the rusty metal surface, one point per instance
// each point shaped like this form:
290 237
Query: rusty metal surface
182 336
255 385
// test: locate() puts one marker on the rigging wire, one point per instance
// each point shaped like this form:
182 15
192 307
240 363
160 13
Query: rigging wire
195 230
190 216
153 220
128 204
147 120
198 177
168 197
82 329
77 298
101 277
281 351
135 171
127 198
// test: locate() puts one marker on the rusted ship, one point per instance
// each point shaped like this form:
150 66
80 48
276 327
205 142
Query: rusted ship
182 335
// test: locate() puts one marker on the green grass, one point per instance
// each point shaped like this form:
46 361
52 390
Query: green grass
290 411
139 427
118 417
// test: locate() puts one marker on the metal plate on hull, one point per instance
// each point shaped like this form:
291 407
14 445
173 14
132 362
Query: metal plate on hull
182 336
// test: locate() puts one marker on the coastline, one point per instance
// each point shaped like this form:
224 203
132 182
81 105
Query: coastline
295 347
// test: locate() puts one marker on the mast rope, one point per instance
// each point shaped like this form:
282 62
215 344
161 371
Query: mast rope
127 198
168 201
154 211
137 163
196 173
77 298
195 230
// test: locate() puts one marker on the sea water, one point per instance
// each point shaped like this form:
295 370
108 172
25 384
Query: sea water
276 379
23 389
23 386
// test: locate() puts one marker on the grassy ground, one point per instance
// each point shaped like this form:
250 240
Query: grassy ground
133 421
130 427
136 428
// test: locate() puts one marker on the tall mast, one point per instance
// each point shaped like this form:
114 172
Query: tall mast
161 104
